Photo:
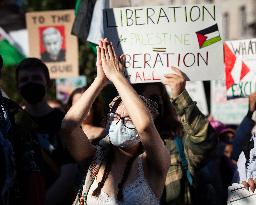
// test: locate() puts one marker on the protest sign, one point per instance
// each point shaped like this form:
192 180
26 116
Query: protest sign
65 86
240 195
154 38
197 93
240 67
226 111
51 41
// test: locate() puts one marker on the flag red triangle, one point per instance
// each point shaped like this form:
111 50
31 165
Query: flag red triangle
244 70
230 60
201 39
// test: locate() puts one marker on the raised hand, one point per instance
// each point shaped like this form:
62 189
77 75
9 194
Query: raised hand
100 74
175 81
110 63
250 184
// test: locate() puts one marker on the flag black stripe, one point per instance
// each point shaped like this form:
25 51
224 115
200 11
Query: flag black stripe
210 29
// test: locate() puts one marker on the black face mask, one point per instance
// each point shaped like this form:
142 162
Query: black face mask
33 92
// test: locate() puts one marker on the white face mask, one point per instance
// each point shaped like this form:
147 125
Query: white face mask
121 136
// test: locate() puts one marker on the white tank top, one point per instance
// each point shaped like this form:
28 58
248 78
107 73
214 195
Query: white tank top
136 193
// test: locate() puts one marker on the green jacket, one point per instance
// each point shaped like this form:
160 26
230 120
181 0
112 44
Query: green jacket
199 141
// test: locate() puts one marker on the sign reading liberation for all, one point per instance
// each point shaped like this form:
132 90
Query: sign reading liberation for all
51 41
155 38
240 63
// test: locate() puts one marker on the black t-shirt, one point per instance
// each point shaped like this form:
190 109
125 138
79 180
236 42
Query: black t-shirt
54 153
38 152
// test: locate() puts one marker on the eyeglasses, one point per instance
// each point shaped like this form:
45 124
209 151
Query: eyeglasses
125 120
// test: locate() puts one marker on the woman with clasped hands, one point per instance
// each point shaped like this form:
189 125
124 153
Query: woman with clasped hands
131 167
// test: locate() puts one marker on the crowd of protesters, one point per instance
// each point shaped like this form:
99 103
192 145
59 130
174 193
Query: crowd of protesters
149 148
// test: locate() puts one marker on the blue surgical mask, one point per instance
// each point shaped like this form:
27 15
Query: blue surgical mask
121 136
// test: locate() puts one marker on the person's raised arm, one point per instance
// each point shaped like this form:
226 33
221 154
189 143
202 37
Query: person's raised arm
74 137
243 131
156 154
198 136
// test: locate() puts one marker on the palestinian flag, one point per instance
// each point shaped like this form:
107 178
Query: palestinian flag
82 23
208 36
78 2
10 53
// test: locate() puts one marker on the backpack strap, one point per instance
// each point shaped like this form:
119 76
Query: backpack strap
184 162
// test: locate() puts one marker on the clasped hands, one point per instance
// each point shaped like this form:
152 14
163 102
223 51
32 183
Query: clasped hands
109 66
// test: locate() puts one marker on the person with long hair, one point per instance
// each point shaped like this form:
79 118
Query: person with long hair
131 168
187 135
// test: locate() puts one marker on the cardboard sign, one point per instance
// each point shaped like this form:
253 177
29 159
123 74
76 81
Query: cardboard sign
226 111
155 38
197 93
240 67
65 86
51 41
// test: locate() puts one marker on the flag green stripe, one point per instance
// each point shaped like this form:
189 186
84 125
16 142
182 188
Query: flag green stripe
211 41
93 47
10 54
78 2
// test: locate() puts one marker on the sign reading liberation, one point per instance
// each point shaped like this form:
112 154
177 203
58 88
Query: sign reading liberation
155 38
51 41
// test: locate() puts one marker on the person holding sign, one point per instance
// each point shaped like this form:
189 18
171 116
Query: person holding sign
245 148
187 134
242 190
131 167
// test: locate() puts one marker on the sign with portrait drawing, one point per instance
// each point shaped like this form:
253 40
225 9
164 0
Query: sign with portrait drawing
240 67
51 41
154 38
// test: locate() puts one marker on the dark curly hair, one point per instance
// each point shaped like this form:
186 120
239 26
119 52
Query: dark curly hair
109 159
108 162
167 121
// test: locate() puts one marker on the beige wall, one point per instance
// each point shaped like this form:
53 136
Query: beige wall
235 26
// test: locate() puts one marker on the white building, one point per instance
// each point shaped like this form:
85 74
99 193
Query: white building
239 18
